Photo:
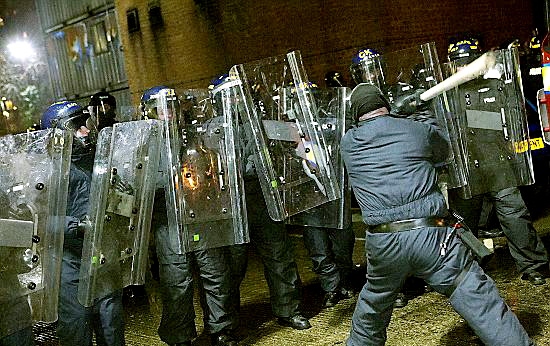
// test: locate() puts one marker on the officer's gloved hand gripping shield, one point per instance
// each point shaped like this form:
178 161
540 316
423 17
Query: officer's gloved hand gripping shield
34 169
407 74
116 238
332 116
493 124
205 196
290 156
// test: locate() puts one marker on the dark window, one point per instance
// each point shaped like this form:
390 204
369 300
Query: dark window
133 20
155 15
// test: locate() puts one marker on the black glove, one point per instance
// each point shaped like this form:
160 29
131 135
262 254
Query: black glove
84 225
408 104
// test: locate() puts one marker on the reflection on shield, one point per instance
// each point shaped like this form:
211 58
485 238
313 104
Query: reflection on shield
332 108
544 115
121 199
289 149
205 196
493 125
33 196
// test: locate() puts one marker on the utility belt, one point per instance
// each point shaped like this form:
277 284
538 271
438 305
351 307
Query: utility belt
410 224
480 252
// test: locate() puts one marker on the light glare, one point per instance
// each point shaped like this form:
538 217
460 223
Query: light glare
21 50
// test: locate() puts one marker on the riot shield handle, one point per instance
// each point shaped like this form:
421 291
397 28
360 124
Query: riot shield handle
84 225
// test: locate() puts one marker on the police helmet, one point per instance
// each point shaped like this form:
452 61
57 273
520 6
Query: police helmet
306 86
65 115
148 102
217 84
534 53
102 98
366 67
464 51
150 106
218 81
534 41
420 77
70 116
102 108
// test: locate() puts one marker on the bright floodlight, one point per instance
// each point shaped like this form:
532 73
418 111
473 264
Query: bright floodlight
21 50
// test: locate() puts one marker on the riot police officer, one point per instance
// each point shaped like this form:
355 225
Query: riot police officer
367 67
524 244
103 112
274 246
15 312
77 324
531 78
102 108
177 326
330 249
271 240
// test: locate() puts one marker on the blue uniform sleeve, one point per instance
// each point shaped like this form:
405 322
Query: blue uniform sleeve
439 143
438 138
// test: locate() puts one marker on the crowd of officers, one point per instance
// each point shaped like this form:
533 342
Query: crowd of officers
377 131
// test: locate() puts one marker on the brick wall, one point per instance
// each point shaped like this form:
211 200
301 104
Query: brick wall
182 52
203 38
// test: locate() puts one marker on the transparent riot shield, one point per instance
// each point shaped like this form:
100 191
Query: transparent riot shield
33 197
493 123
121 199
206 185
332 108
406 71
290 151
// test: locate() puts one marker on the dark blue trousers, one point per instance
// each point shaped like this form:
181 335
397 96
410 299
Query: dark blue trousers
524 243
273 244
24 337
77 323
176 272
392 257
331 252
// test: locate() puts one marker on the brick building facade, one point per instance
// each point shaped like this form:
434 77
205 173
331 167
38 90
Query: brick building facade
185 43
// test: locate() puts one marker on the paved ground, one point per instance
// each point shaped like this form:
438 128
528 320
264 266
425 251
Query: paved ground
427 320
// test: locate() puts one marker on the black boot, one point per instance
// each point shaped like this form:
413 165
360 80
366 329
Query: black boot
297 321
223 338
400 301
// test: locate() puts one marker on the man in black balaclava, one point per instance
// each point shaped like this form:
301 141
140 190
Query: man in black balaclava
391 162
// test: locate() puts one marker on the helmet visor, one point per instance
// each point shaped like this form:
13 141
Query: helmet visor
368 71
73 122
